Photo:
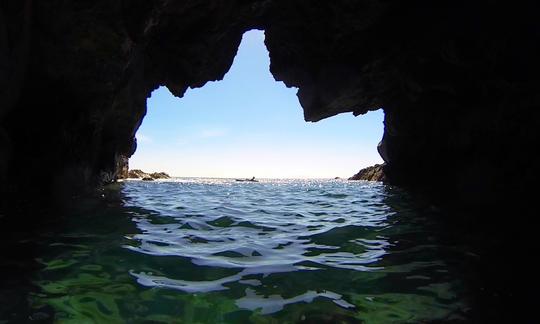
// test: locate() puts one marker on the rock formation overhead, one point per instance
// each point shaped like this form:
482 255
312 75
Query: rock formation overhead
458 81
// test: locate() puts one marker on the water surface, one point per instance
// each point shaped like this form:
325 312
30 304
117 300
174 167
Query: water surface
277 251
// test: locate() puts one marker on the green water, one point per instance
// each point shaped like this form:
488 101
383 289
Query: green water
216 251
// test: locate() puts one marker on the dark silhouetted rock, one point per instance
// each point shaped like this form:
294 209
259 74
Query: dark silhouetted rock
459 89
137 174
147 179
372 173
123 167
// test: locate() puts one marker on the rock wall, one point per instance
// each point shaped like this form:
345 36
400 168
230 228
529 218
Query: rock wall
457 81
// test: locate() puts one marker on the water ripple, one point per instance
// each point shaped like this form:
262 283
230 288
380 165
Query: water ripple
220 233
260 229
231 251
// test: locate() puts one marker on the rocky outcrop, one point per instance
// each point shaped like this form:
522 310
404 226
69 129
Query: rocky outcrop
139 174
372 173
159 175
458 88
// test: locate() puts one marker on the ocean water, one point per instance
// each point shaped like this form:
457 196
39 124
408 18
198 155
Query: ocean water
276 251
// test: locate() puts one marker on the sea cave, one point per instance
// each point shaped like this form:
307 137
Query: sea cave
447 237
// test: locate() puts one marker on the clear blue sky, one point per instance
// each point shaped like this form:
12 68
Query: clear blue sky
250 125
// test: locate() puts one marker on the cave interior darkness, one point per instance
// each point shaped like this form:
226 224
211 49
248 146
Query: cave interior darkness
459 97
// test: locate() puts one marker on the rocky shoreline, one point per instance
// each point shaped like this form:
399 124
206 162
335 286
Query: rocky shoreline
139 174
372 173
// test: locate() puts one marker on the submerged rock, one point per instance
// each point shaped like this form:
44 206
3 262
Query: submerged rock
372 173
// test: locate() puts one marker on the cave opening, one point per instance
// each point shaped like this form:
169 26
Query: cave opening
250 125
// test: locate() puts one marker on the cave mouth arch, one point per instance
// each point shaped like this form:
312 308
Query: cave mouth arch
254 126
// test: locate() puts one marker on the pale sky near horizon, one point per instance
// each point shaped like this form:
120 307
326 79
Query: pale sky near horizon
250 125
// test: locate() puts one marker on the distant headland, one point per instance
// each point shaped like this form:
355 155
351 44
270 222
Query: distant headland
139 174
